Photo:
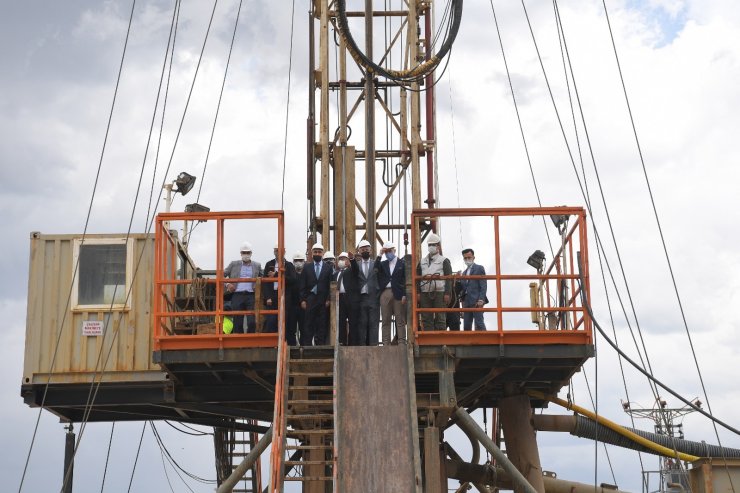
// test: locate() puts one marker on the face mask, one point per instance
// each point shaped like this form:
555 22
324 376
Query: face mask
390 255
468 262
299 265
433 249
342 264
365 255
329 261
317 258
246 257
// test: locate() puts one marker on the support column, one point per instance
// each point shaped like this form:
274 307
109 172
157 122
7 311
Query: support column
432 461
369 130
69 454
324 119
521 442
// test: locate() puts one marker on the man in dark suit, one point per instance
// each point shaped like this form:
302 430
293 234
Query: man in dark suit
347 280
315 282
296 316
474 291
392 284
242 293
270 292
367 327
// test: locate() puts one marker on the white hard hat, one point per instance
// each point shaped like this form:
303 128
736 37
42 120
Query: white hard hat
317 246
433 239
363 243
299 256
329 254
343 254
246 247
276 246
388 245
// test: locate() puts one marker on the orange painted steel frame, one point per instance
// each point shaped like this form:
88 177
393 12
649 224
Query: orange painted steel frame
581 331
165 258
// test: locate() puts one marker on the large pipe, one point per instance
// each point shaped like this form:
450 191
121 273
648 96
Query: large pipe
228 485
583 427
497 476
466 422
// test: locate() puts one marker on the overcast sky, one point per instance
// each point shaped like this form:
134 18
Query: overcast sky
680 61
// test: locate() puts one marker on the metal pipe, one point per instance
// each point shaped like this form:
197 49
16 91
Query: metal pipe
249 460
69 458
429 113
465 421
369 128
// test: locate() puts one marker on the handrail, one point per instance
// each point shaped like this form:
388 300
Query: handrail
166 282
277 454
559 278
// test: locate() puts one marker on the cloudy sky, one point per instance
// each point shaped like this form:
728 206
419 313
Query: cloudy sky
680 60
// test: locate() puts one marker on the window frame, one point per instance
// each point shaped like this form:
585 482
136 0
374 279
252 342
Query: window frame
78 242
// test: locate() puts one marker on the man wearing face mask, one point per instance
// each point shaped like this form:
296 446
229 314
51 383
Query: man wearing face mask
392 283
242 298
315 281
367 326
433 292
474 291
347 280
296 315
270 290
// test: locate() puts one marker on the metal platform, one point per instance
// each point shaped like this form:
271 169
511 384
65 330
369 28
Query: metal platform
210 386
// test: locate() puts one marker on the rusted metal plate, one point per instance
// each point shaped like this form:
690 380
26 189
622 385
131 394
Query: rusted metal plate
374 430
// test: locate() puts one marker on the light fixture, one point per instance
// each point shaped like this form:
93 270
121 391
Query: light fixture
537 260
559 220
197 208
184 183
626 406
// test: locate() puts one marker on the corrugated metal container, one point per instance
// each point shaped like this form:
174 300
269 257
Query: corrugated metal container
80 328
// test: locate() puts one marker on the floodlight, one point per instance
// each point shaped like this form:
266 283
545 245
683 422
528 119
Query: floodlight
626 406
537 260
559 219
184 183
197 208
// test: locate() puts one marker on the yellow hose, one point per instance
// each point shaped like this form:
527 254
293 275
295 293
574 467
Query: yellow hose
665 451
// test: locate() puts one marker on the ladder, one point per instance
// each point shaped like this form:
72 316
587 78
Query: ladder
309 418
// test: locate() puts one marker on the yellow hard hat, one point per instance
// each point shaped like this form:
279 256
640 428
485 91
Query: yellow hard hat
228 325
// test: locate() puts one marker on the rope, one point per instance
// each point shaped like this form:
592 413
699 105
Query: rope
84 234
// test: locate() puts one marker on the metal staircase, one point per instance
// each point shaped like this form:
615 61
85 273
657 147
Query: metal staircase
310 418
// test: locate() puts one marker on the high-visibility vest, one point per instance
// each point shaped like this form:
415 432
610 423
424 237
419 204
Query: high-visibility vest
432 266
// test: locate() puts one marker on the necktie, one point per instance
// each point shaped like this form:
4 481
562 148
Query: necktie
318 269
364 268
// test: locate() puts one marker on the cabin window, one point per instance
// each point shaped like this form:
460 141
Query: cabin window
102 279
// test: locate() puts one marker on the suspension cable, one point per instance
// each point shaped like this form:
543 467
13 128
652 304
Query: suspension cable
84 234
107 456
220 97
657 218
287 105
521 127
136 459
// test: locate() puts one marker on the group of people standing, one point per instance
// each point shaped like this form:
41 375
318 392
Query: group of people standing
371 291
369 288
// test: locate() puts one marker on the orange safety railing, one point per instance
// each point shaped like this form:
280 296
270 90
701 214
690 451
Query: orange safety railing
561 317
167 279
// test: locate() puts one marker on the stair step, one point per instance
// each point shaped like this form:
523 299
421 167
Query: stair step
293 433
316 388
309 478
309 447
308 462
299 417
308 402
311 360
311 374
